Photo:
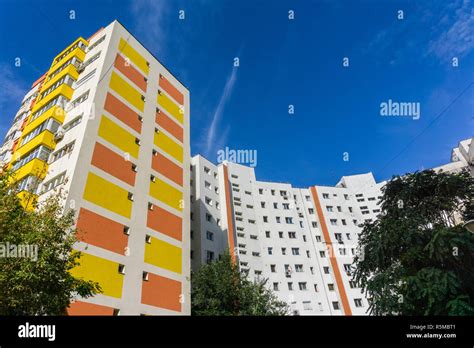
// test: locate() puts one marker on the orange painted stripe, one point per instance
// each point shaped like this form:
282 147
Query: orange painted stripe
161 292
122 112
100 231
85 308
169 125
165 222
169 169
230 220
332 258
171 90
130 72
41 79
113 163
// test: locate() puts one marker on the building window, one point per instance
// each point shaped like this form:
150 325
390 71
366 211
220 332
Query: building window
326 270
310 210
335 305
292 235
295 251
314 224
325 195
273 268
307 305
148 239
208 201
208 217
289 220
333 222
318 238
352 284
331 287
280 234
278 219
145 276
316 288
265 219
267 234
270 250
275 286
290 286
209 235
302 286
121 269
283 251
299 268
209 256
358 302
262 204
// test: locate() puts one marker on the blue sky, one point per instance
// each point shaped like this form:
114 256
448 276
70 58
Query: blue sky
283 62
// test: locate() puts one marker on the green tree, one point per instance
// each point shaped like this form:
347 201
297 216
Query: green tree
219 288
39 284
417 258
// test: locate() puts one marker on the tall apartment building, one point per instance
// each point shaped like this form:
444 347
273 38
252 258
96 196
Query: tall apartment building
302 240
109 125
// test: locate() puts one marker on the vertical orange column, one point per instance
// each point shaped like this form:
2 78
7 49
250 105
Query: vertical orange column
332 258
230 221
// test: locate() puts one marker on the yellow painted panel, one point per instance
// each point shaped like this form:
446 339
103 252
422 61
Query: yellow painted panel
77 52
102 271
118 136
170 107
70 70
55 112
166 194
45 138
64 89
168 145
34 167
124 89
163 255
107 195
134 56
27 200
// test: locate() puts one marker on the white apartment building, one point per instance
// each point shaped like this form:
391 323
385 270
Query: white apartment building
302 240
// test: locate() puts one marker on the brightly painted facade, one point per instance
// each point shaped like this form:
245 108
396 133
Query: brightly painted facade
109 125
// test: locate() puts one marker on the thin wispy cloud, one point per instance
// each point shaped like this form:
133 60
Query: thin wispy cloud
12 90
150 17
441 32
456 38
226 94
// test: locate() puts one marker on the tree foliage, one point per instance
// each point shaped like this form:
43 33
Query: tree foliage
219 288
41 285
417 258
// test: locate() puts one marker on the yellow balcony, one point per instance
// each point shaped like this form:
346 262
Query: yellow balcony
55 112
44 138
77 52
70 70
27 199
34 167
65 90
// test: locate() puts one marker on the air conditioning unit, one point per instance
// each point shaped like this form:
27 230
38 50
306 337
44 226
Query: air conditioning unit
81 68
59 134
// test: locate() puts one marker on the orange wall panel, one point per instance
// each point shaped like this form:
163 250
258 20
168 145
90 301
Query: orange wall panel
122 112
130 72
161 292
165 222
171 90
166 167
169 125
113 163
84 308
100 231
